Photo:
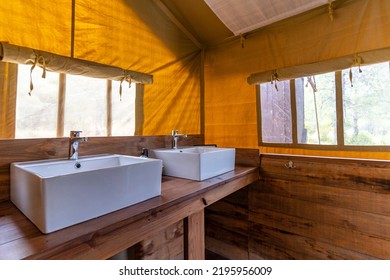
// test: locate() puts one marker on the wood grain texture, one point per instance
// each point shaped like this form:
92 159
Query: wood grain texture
248 157
227 226
322 208
195 236
166 244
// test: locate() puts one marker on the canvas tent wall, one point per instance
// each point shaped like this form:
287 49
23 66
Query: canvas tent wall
131 35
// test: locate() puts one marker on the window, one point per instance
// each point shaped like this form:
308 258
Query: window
90 105
345 108
366 105
86 105
276 113
316 109
123 109
36 115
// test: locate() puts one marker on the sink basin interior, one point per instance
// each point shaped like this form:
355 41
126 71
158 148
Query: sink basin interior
196 163
55 194
51 168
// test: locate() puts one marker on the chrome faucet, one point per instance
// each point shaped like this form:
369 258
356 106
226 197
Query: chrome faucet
74 140
175 137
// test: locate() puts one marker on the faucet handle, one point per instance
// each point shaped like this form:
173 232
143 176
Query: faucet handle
75 133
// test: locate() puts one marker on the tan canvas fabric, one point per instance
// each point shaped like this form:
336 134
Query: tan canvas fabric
8 76
132 35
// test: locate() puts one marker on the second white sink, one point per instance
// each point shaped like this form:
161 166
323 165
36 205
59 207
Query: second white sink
55 194
196 163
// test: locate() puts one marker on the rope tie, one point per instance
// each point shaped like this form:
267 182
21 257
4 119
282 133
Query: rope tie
357 61
38 61
274 78
126 77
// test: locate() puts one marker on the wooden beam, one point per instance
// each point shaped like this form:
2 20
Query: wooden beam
194 236
172 17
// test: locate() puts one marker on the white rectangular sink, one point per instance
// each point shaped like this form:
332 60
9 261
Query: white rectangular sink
196 163
55 194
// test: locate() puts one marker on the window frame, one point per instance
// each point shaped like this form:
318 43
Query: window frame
340 146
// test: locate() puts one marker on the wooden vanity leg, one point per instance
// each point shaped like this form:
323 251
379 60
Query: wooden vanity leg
194 241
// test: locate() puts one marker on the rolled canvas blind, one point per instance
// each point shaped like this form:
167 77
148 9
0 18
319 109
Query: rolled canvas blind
336 64
61 64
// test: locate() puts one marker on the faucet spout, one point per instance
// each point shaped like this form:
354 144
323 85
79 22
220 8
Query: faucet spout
74 141
175 137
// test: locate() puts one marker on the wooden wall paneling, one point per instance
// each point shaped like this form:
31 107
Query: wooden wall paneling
364 244
227 226
190 140
370 175
221 250
322 208
229 216
270 243
25 150
225 243
337 214
247 157
361 200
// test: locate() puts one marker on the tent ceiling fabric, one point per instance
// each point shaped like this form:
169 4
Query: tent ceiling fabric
199 19
244 16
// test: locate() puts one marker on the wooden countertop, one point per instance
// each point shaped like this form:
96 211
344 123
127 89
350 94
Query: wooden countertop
103 237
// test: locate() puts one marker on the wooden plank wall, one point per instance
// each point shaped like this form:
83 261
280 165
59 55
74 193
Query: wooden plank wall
227 227
321 208
15 150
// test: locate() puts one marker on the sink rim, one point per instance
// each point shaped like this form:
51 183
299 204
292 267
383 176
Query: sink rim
200 165
57 161
208 149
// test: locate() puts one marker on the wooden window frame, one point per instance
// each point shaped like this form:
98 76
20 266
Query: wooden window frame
340 146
